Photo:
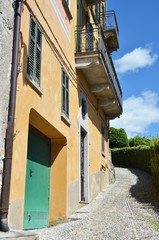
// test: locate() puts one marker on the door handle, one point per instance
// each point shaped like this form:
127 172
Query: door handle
29 218
31 172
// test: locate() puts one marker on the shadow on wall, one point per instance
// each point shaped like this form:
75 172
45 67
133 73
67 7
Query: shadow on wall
143 191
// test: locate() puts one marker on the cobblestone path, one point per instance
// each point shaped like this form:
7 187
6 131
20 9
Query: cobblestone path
128 209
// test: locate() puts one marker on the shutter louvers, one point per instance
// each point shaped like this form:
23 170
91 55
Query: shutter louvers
63 97
67 97
39 38
33 25
38 64
65 93
34 57
31 58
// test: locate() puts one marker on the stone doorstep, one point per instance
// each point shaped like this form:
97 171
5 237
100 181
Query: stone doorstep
18 235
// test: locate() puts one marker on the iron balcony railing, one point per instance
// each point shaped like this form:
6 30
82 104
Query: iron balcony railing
87 38
90 38
110 68
108 22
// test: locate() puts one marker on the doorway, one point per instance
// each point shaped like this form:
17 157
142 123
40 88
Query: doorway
83 150
37 185
83 134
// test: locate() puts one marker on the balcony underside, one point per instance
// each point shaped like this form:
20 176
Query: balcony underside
93 2
97 76
111 39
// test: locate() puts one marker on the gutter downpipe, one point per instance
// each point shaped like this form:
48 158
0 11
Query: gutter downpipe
5 192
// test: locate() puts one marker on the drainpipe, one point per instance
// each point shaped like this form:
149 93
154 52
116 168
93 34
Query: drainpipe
10 127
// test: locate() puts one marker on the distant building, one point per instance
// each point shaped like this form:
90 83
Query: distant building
67 91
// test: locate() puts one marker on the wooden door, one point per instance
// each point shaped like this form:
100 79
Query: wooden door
37 186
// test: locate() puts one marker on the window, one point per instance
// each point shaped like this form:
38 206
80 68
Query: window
84 108
66 4
34 55
65 93
103 139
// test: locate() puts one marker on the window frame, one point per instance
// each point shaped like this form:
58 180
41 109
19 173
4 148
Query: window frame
65 87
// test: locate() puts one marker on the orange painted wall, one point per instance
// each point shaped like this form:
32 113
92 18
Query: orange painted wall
44 111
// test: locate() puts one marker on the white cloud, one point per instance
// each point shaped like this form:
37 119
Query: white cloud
138 58
138 113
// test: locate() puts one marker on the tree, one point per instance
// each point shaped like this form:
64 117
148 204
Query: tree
136 141
146 141
118 138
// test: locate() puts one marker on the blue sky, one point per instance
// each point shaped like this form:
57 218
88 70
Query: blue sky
137 65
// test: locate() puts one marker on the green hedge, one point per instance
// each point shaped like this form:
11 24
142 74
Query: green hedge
154 152
132 157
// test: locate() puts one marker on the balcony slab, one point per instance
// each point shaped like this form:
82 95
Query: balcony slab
94 70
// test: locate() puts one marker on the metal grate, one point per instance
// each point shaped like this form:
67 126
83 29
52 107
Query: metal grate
87 38
108 21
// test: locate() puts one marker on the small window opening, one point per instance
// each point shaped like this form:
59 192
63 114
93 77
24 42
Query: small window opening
83 108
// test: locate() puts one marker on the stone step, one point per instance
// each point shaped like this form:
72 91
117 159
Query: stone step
20 235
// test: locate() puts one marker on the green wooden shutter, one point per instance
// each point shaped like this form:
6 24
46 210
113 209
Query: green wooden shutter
35 47
65 93
67 96
38 54
31 57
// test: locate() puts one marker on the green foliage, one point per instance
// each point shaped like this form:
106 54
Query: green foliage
154 153
132 157
137 141
118 138
146 141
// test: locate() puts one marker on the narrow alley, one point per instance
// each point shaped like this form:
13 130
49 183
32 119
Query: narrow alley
128 209
125 210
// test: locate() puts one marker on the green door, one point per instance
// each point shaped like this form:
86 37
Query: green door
37 185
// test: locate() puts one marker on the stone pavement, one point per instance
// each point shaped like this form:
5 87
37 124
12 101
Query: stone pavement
18 235
128 209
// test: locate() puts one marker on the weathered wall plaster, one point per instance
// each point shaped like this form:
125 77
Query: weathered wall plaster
6 44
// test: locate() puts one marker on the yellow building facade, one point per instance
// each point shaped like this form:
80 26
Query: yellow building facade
67 91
